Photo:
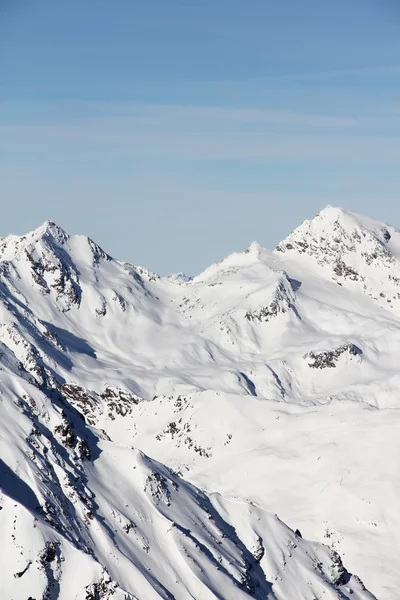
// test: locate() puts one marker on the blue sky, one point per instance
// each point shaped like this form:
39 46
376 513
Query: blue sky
175 132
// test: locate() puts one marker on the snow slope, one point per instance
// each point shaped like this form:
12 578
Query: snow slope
265 390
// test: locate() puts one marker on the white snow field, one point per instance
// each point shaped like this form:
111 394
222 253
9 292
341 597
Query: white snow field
233 435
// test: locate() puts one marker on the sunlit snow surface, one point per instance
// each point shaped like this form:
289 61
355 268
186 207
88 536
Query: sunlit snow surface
231 435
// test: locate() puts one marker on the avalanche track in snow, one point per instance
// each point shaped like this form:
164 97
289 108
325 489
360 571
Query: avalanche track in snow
232 435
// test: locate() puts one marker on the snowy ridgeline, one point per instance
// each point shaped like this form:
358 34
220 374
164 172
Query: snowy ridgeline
265 390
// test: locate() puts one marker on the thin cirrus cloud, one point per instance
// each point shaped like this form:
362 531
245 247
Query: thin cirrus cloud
165 113
369 71
200 133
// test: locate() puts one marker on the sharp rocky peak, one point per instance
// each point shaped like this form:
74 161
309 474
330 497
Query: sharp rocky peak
49 238
335 232
332 219
49 231
353 250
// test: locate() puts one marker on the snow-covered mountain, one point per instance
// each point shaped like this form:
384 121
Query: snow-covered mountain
231 435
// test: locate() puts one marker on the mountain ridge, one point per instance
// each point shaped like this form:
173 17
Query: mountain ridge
266 384
51 229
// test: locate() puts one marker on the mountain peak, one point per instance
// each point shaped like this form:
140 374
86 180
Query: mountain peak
331 212
331 218
333 225
328 219
50 229
236 260
351 250
254 248
179 278
11 245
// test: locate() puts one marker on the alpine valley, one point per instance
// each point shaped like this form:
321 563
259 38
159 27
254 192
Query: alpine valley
230 436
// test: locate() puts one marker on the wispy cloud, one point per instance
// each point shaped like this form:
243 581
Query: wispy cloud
178 113
199 133
366 71
62 140
166 112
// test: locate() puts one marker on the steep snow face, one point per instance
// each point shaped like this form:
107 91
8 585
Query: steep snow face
82 517
266 385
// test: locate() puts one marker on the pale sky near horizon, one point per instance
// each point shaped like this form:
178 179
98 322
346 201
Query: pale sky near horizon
175 132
